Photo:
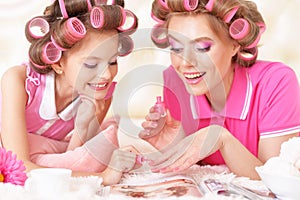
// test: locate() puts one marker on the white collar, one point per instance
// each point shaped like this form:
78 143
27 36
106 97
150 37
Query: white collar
47 109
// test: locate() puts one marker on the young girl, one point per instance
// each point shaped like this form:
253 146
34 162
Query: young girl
72 64
224 106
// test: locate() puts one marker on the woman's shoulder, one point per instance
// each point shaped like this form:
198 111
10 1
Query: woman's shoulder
268 70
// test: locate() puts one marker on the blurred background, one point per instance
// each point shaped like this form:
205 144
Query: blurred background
137 84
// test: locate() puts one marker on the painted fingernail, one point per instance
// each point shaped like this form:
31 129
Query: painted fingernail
176 169
153 124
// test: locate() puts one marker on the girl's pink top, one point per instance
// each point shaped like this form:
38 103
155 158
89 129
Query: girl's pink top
264 102
41 115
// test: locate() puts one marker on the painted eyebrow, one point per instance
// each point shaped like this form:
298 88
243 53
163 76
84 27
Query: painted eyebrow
196 40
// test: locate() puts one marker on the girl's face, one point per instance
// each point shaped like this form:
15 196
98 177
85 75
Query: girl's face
200 57
91 65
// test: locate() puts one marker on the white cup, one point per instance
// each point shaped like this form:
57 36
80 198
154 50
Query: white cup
45 182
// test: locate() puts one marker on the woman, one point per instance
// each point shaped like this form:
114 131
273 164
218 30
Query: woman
224 106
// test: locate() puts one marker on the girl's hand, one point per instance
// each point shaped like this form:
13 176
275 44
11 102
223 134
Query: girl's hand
123 160
160 131
190 150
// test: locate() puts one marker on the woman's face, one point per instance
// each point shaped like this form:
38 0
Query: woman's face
200 57
91 65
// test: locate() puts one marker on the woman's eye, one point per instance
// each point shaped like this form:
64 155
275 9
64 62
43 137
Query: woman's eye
176 50
90 65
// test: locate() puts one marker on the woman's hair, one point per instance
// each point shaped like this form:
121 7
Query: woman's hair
237 19
65 22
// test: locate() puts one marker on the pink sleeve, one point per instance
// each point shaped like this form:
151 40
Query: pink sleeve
280 101
111 90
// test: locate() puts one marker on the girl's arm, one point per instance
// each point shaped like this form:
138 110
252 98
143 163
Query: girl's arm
14 99
88 120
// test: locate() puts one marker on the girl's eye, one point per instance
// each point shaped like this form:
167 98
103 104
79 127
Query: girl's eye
176 50
90 65
203 47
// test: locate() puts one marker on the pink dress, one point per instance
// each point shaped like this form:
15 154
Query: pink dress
48 129
264 102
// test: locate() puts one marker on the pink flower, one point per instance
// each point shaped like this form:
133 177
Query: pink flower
11 169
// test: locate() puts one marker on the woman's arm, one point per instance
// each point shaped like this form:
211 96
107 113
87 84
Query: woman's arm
14 99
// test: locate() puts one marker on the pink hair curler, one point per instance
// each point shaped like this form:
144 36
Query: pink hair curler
75 30
38 66
57 45
129 20
248 54
239 28
89 5
63 8
190 5
156 19
210 4
110 2
38 27
164 3
51 54
262 29
227 18
126 45
97 17
158 35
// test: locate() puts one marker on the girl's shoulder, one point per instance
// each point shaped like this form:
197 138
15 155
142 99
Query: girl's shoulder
17 74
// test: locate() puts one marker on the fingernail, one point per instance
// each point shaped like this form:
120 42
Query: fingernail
153 124
176 169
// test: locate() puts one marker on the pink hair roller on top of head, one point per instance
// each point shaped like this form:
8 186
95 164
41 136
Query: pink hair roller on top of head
156 19
38 27
51 54
239 29
210 4
75 30
129 20
63 8
97 17
164 3
190 5
106 2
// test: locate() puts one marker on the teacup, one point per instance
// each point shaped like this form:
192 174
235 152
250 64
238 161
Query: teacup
49 181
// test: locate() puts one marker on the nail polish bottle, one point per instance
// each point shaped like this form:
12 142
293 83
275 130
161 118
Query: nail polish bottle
160 106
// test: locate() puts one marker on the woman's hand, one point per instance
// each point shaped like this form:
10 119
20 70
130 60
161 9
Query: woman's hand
190 150
160 131
123 160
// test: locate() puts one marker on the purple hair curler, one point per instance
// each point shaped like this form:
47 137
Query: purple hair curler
75 30
38 27
239 28
97 17
51 54
129 20
190 5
